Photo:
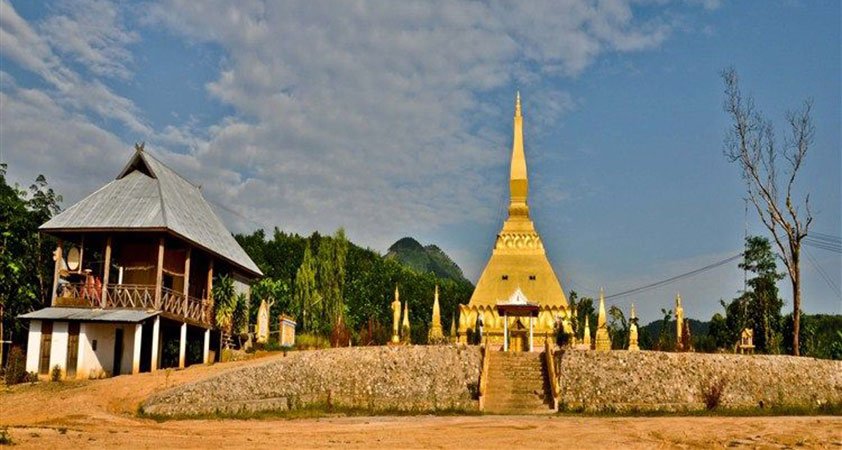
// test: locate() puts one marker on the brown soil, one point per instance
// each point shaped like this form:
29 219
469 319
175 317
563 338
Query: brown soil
103 414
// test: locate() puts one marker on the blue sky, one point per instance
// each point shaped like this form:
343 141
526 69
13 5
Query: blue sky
395 119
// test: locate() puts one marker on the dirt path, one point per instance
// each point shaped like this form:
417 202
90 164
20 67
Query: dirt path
101 414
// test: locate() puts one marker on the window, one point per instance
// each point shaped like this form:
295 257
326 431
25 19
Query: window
532 277
93 345
505 277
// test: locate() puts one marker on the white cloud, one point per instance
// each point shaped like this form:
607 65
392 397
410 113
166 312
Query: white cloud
24 45
373 115
378 116
93 33
39 136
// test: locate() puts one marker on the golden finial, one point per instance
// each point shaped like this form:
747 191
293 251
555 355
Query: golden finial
517 104
632 311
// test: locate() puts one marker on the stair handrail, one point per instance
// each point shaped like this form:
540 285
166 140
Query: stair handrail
483 376
551 372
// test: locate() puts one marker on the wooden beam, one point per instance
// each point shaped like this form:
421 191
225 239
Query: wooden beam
159 277
106 272
56 269
210 288
186 278
81 255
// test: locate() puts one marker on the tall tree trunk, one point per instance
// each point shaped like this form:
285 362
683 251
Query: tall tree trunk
796 302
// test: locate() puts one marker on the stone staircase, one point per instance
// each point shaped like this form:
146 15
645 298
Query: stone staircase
517 384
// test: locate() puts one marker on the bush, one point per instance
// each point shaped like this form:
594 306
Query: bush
16 368
340 336
311 342
712 392
55 374
836 347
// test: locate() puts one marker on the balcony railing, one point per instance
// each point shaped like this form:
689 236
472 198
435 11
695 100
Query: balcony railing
138 296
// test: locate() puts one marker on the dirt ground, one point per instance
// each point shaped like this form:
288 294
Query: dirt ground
101 414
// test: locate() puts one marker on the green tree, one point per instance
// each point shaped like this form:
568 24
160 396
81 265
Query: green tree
581 307
759 307
240 315
618 328
666 338
26 257
306 296
764 304
276 293
331 279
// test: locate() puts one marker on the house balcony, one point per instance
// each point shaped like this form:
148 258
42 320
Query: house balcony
174 304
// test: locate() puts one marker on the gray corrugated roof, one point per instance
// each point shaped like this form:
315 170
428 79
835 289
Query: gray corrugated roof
162 199
94 315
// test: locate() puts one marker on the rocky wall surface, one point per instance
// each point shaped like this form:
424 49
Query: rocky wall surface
406 378
623 381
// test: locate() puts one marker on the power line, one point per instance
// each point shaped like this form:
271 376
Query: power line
826 237
823 274
675 278
836 248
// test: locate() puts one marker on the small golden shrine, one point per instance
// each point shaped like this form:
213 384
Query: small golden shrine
746 341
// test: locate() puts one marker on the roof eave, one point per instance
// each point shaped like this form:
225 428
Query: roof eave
50 231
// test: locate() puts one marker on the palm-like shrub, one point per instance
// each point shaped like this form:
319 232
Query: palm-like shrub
225 301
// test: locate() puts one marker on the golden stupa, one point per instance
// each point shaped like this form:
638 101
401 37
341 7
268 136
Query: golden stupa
518 263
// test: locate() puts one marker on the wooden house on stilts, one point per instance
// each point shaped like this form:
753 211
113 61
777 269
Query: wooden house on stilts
134 269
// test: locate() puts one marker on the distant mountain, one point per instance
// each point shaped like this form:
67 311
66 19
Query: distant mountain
698 328
432 259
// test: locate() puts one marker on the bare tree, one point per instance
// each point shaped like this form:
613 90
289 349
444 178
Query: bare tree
751 143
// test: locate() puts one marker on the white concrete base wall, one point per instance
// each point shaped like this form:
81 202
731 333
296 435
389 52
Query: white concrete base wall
58 349
100 362
33 346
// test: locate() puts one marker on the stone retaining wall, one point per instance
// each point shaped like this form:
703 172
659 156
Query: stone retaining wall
622 380
429 378
411 378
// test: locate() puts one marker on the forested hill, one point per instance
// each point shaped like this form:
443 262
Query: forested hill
369 281
429 259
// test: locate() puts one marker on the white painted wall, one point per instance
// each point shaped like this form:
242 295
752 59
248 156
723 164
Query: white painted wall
33 346
58 349
101 362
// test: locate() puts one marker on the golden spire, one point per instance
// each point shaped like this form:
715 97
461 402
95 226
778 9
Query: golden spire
632 311
518 182
586 338
600 321
603 340
405 336
436 333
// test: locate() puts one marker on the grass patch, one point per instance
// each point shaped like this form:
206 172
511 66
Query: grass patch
5 438
824 410
311 411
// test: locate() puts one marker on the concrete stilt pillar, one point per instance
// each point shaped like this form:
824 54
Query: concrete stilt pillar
156 339
138 333
206 350
182 346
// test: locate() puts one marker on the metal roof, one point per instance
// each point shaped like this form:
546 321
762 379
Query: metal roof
92 315
149 195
